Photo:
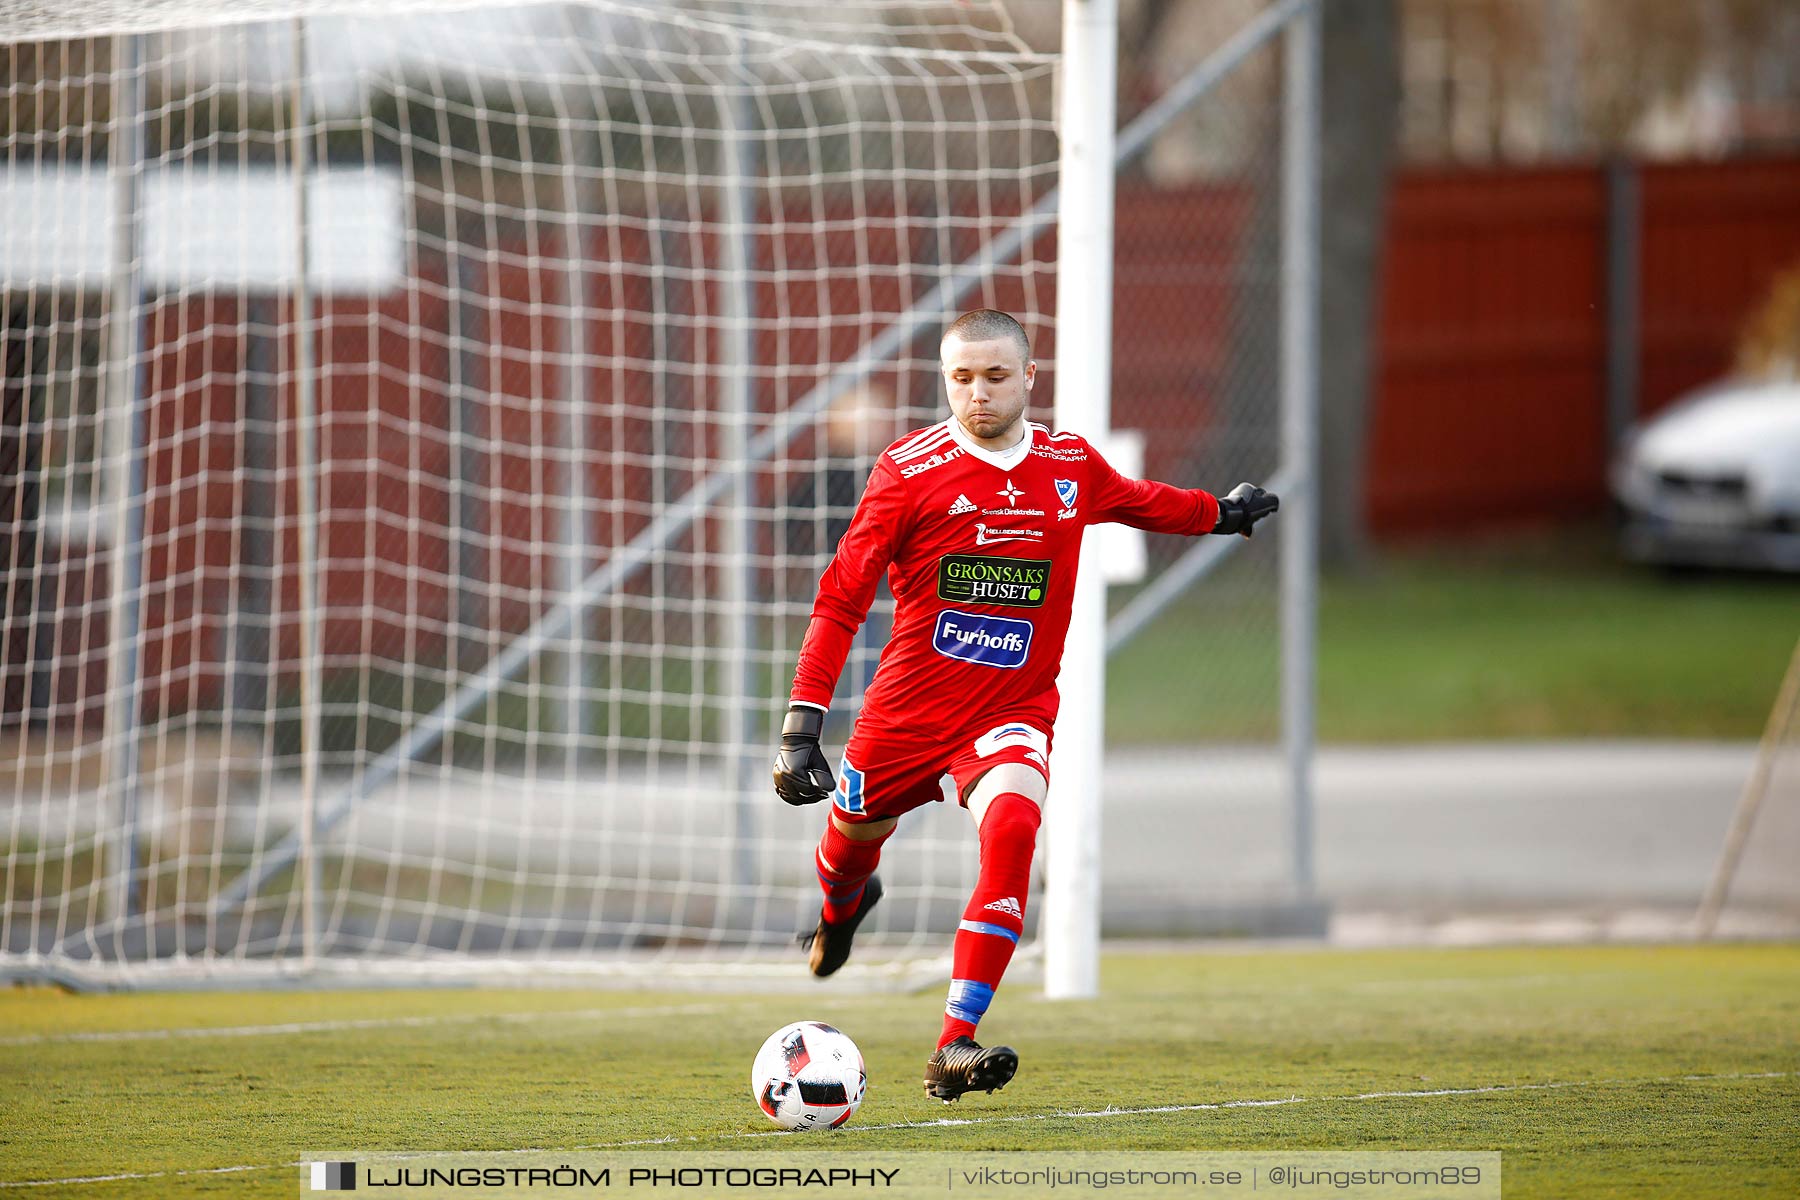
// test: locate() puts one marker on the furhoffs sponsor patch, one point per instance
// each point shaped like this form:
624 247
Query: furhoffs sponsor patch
990 641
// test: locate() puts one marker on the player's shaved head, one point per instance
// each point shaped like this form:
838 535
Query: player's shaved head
989 325
988 373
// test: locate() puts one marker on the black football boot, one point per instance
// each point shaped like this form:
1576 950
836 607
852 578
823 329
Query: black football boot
829 944
963 1066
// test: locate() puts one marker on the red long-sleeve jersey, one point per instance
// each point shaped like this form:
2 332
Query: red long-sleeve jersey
981 550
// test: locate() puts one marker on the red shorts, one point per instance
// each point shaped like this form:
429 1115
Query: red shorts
882 777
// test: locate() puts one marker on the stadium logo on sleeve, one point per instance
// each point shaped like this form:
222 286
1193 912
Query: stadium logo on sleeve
989 641
1007 582
936 460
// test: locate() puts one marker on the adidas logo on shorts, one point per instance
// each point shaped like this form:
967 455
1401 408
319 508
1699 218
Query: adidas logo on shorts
961 506
1008 905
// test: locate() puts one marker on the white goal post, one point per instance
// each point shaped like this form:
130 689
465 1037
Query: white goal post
423 433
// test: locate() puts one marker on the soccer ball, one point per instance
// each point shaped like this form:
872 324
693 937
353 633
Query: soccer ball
808 1076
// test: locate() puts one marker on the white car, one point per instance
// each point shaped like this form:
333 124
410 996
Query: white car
1714 481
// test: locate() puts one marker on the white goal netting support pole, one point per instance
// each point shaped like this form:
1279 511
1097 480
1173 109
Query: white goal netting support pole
738 597
1299 428
570 702
1071 928
306 451
122 472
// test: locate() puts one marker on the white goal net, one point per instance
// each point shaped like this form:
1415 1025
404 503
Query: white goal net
422 437
428 431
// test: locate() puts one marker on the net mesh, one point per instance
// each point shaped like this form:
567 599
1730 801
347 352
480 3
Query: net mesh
560 373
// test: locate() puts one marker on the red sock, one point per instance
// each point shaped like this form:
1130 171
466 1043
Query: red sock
844 865
995 916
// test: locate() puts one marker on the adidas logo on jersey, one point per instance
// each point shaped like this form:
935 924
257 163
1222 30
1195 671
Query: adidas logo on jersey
961 506
1008 905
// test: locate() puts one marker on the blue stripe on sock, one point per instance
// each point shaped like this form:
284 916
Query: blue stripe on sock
984 927
834 887
847 898
968 1000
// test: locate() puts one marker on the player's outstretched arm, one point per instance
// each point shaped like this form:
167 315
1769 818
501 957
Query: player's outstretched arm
1243 507
802 774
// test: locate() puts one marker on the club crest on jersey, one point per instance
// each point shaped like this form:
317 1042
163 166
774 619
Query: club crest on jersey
989 641
1065 491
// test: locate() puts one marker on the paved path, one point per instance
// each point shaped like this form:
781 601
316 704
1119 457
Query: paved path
1419 834
1430 830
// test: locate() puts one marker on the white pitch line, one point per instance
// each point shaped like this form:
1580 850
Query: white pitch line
947 1122
204 1031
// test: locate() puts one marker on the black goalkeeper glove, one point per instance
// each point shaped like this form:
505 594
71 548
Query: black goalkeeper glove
1244 507
802 776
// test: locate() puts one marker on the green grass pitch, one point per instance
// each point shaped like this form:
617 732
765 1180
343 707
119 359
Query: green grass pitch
1620 1071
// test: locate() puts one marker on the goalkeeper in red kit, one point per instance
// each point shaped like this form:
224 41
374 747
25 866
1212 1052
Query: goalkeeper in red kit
977 522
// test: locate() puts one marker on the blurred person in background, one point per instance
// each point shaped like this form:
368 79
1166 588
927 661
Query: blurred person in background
856 428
